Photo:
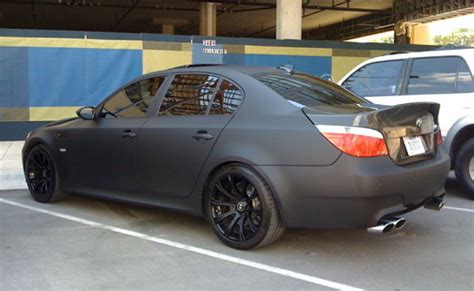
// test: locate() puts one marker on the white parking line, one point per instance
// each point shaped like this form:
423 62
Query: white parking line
459 209
220 256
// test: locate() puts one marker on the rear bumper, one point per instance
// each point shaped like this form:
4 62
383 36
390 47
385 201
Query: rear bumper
353 192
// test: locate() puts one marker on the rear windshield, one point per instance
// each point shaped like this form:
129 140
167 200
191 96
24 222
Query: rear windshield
306 91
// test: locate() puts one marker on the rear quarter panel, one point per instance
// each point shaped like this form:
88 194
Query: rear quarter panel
267 130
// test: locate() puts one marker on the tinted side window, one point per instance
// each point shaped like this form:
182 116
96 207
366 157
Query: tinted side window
376 79
227 99
189 94
134 100
465 83
433 75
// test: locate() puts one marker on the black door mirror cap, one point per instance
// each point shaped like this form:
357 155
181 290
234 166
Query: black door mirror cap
85 114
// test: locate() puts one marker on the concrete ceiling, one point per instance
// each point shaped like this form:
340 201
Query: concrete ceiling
262 23
254 18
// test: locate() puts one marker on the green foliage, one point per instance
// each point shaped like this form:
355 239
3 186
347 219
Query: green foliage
387 39
462 36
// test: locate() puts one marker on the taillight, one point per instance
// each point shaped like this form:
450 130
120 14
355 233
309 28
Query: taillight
439 138
355 141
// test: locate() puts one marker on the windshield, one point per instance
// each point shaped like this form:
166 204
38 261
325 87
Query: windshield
307 91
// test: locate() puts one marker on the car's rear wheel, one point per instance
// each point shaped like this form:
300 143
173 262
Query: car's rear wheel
41 176
464 166
241 209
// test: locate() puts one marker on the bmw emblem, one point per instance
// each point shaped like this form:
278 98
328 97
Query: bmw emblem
419 122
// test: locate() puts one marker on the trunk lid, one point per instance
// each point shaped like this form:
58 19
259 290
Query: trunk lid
396 123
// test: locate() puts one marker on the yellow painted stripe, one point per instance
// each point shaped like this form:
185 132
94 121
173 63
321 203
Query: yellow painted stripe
157 60
114 44
377 53
293 51
14 114
70 43
52 113
343 65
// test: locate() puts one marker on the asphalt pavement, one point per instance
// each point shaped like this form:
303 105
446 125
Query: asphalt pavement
86 243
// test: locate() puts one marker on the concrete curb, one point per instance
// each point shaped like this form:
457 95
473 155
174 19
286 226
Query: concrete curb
12 179
11 168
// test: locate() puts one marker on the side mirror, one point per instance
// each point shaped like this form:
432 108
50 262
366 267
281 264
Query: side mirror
86 113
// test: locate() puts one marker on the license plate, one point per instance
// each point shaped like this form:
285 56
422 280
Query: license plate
414 145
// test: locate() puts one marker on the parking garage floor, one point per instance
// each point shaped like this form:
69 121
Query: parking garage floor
85 243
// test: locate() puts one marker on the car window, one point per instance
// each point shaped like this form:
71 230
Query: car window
227 99
376 79
304 90
134 100
465 83
433 75
189 94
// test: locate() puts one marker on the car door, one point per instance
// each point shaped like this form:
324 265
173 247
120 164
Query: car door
173 146
101 152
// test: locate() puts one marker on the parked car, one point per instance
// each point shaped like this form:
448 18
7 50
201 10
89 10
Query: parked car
441 76
253 150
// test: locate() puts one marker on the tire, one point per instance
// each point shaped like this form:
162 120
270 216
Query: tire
241 209
461 167
41 176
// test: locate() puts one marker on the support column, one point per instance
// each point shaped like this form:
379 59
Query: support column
288 19
167 29
421 35
412 33
402 31
207 19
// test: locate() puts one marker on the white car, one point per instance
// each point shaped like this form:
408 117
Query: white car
442 76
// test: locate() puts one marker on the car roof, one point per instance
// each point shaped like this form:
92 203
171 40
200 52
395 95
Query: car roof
466 53
463 52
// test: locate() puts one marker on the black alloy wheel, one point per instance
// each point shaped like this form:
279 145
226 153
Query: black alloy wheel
241 209
41 176
236 208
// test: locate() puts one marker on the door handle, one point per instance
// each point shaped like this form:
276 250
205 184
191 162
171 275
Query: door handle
128 134
203 135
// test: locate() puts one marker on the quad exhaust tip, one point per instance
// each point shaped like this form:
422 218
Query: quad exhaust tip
387 224
435 203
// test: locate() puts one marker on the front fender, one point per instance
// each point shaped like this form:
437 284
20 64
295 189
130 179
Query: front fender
45 138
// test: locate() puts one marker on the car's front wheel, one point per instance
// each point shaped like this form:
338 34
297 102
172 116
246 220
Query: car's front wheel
241 209
464 166
41 176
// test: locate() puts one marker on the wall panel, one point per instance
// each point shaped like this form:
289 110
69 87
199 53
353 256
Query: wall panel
47 75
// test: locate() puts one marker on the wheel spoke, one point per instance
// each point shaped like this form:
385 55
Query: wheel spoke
43 186
222 203
224 215
45 161
241 227
234 186
47 185
232 224
242 186
35 163
225 192
252 226
37 157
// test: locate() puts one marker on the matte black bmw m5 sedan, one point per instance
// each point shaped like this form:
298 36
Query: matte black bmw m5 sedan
253 150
